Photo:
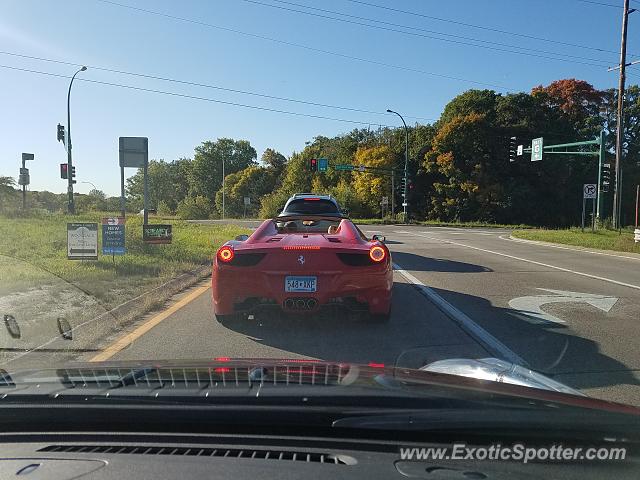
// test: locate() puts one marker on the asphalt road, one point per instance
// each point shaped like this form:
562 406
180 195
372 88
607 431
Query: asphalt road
473 293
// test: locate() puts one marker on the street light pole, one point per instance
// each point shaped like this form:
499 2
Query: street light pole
89 183
72 205
405 203
223 188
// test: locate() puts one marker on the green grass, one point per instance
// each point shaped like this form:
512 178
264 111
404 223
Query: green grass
436 223
33 253
601 239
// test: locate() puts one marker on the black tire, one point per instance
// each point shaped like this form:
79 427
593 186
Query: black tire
226 318
380 317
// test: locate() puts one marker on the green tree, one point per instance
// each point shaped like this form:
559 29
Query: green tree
274 159
371 186
7 192
168 183
194 208
205 177
253 182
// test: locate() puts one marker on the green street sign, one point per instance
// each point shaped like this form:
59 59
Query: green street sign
536 149
344 167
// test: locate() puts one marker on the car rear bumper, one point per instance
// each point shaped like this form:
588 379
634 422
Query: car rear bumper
239 290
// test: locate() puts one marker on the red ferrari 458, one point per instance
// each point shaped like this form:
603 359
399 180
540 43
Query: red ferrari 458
300 264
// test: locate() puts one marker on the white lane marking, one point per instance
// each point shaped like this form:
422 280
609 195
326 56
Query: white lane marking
563 247
575 272
463 321
530 306
372 231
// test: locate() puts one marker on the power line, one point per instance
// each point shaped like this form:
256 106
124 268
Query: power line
481 27
526 51
601 4
215 87
305 47
194 97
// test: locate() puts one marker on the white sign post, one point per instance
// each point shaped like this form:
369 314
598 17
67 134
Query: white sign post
82 241
589 192
247 202
537 147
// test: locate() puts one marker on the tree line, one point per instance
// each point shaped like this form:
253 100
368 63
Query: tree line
459 166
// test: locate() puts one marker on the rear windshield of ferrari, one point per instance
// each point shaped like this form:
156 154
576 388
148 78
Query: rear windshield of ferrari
302 225
315 206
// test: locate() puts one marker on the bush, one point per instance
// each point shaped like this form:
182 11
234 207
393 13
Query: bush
194 208
273 204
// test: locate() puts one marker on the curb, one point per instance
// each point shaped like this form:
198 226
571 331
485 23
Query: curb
564 246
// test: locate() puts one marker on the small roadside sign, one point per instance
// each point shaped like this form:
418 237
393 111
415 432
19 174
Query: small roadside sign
590 190
636 235
158 234
113 235
247 201
82 241
323 164
385 201
520 150
405 204
361 168
537 147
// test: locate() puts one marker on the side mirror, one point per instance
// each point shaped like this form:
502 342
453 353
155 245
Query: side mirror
242 238
345 212
380 238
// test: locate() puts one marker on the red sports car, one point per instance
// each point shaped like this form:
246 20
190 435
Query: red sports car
300 264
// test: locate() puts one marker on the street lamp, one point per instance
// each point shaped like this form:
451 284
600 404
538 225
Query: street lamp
89 183
72 206
405 203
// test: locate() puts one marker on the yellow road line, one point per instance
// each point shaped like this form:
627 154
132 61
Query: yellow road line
129 338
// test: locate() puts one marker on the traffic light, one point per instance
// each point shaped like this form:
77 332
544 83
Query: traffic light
64 171
605 177
61 133
513 148
313 164
73 174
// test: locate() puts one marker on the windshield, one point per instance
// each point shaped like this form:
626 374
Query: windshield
405 188
311 206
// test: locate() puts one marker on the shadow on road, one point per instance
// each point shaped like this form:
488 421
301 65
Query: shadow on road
416 325
411 261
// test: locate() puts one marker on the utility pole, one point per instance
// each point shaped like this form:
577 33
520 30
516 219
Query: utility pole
620 118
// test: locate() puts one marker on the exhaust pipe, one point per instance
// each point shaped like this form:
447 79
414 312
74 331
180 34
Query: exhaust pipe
311 303
300 304
288 303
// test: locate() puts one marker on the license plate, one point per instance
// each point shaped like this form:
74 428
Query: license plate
300 284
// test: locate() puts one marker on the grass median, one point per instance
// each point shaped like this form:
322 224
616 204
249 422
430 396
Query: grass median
436 223
33 253
600 239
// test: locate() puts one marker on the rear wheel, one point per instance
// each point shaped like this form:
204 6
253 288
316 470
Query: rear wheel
227 318
380 317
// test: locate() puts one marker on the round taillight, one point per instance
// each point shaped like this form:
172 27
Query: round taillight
225 254
377 253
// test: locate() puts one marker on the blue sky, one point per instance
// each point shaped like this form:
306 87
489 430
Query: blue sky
101 34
